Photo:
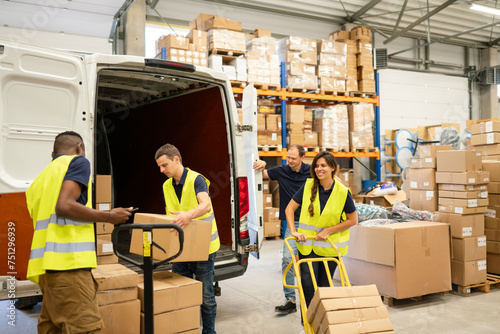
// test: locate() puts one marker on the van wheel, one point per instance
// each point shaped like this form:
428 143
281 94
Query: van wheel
217 289
27 303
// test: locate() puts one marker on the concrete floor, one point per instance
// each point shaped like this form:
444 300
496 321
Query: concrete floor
247 303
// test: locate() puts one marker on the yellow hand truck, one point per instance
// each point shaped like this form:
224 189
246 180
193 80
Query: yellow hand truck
296 268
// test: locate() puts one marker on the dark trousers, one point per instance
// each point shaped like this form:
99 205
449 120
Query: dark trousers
319 274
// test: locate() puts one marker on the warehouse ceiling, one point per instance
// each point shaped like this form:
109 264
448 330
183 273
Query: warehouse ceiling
435 20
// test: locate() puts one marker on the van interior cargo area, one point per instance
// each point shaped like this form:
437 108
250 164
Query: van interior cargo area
138 112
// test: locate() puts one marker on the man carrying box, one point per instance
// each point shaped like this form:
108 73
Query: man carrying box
186 195
291 177
63 247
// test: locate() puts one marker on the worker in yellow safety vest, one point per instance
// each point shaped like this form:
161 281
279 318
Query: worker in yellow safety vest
63 247
186 196
328 211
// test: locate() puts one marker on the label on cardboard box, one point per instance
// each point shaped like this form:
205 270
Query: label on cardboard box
472 180
489 126
490 138
483 194
481 242
481 265
459 210
103 206
466 231
428 160
107 248
472 203
429 195
491 213
413 184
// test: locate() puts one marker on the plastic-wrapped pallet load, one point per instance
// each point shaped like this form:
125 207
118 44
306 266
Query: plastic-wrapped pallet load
492 217
332 70
351 64
361 116
294 49
263 63
332 125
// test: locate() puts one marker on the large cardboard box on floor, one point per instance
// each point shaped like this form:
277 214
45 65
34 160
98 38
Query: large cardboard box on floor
467 273
469 249
404 260
172 292
463 226
197 235
458 161
123 318
178 321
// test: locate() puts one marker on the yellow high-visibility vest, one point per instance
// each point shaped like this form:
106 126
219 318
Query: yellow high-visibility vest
332 214
188 202
58 243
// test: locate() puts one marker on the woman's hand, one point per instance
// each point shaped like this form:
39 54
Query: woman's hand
299 236
322 235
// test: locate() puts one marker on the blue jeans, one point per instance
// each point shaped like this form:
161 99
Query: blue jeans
202 271
287 258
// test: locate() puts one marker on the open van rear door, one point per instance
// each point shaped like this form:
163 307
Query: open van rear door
43 92
255 213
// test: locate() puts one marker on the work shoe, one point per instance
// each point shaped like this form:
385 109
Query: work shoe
287 307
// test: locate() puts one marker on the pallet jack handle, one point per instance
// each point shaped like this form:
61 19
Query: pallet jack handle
148 265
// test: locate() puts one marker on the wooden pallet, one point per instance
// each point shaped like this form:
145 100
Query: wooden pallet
364 149
272 237
269 147
312 148
331 92
363 94
241 84
227 52
302 90
266 86
389 301
336 149
492 281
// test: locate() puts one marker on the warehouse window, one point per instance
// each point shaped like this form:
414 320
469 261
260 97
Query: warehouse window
155 30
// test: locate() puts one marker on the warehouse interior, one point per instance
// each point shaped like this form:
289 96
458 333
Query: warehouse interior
417 140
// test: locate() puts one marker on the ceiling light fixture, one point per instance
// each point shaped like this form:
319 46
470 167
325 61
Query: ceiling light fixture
484 9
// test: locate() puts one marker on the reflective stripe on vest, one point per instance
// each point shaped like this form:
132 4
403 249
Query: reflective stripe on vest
58 243
332 215
190 201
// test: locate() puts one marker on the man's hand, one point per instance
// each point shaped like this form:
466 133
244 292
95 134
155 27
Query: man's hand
183 218
299 236
259 165
119 215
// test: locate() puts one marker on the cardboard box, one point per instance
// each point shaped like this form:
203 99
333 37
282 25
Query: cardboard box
485 127
491 234
492 223
368 326
422 179
268 200
429 151
346 176
107 259
494 168
115 276
458 161
464 226
105 297
463 187
339 35
197 235
272 228
265 187
104 246
493 261
385 201
103 228
121 317
469 249
467 273
273 137
485 139
465 203
493 247
493 212
488 150
470 194
173 42
493 187
463 178
103 189
423 200
404 260
262 32
172 292
422 163
295 114
348 316
273 122
271 214
461 210
310 138
494 199
177 321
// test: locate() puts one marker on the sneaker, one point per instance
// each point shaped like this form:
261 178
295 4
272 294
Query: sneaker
287 307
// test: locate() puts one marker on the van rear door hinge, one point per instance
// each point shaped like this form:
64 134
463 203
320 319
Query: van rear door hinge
241 128
250 248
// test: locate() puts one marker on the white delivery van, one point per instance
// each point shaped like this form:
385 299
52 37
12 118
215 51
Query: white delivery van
125 108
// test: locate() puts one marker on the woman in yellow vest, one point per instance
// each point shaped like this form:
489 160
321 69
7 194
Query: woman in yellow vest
186 195
328 211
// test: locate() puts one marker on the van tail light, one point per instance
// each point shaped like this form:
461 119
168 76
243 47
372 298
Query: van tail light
244 206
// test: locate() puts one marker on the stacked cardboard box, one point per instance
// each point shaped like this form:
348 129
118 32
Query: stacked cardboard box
492 217
332 125
423 190
346 176
301 57
272 223
268 124
331 70
485 138
351 61
454 170
361 117
356 309
117 298
105 254
177 301
263 62
190 50
295 118
364 58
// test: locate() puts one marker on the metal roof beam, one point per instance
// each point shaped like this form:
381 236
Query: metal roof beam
420 20
399 17
363 10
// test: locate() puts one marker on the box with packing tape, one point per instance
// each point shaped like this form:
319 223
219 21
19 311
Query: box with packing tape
463 226
478 177
469 249
467 273
458 161
422 179
485 127
423 200
197 235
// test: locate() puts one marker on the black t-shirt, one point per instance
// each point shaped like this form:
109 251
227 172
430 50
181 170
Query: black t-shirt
200 185
289 182
79 171
324 195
